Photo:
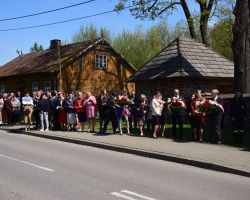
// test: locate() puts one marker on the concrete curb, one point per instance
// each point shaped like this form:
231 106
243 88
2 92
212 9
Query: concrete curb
144 153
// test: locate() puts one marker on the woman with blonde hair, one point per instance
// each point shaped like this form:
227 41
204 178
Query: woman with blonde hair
90 106
28 109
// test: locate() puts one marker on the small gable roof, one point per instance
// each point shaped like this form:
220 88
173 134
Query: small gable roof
185 57
47 60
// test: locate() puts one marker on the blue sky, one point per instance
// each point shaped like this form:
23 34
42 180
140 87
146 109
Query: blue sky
24 39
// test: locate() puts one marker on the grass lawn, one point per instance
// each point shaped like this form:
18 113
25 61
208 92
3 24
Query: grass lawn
228 138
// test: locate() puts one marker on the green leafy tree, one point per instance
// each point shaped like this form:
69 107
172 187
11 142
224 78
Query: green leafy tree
91 32
145 9
36 48
221 35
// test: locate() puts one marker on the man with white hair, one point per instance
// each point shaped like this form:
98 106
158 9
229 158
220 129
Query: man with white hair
215 119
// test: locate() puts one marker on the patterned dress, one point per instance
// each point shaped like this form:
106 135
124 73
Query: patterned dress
90 106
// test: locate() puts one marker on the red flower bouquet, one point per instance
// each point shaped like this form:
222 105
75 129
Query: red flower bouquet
209 106
176 104
122 101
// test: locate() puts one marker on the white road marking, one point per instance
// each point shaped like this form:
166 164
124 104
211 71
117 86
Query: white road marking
27 163
117 194
137 195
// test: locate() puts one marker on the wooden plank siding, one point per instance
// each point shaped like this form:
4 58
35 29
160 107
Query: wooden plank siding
92 79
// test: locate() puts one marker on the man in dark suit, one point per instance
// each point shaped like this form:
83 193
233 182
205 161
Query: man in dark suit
110 113
215 119
177 117
238 112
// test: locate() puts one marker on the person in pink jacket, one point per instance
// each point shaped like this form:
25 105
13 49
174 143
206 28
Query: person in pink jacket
1 107
90 107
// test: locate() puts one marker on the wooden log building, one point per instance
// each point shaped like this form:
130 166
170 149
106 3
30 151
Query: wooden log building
185 64
85 66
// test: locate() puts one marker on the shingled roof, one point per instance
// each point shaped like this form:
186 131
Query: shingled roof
185 57
47 60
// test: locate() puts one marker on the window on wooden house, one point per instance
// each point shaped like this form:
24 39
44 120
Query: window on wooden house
79 64
35 86
47 86
101 61
2 89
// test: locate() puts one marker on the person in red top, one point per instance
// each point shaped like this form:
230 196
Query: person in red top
198 117
80 111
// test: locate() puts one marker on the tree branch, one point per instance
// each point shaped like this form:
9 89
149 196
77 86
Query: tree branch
170 6
152 5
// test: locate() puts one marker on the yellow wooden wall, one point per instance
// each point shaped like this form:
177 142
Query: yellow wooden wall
95 80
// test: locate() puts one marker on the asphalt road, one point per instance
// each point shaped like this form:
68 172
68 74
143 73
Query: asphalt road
33 168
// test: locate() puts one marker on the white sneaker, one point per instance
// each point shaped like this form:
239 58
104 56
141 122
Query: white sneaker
42 129
46 130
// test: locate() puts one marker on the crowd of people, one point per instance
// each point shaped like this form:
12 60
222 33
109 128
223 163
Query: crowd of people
78 111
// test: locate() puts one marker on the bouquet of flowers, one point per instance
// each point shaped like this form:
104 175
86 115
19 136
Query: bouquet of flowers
209 106
176 104
122 101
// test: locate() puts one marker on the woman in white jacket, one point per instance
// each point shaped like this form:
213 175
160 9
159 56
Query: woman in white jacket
156 107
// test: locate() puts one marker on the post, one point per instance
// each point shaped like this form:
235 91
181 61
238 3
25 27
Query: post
60 66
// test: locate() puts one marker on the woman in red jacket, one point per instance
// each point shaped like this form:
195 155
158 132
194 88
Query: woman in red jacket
80 112
198 120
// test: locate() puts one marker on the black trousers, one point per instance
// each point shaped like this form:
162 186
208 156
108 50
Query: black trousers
177 119
37 118
215 132
110 116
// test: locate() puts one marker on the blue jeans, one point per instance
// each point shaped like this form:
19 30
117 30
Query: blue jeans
44 117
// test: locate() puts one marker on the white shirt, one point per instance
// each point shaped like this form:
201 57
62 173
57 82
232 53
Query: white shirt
157 106
215 98
27 101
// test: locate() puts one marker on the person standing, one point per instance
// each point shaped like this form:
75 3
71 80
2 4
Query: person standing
198 116
80 111
16 109
190 116
20 116
149 120
4 109
102 104
71 112
177 116
43 107
36 97
238 112
157 107
215 119
132 118
110 114
127 110
1 108
141 106
60 110
28 109
90 106
9 108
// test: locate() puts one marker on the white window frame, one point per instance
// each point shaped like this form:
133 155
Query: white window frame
101 61
35 86
47 88
2 89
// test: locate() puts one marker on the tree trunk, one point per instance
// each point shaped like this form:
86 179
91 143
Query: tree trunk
241 45
189 18
204 32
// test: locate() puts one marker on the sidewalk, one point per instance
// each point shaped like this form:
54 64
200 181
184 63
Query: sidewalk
214 157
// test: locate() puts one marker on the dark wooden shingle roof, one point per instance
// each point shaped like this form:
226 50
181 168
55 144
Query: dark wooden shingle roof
185 57
47 61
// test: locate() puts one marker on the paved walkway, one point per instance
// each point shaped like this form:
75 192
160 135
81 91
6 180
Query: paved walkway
219 155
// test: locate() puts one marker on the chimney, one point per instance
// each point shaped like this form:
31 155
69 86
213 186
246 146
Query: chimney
55 44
